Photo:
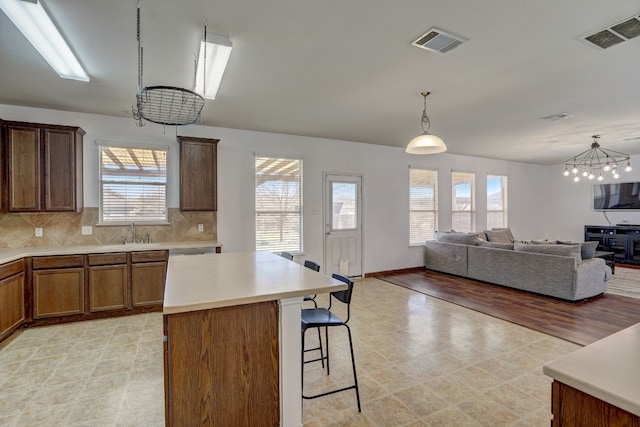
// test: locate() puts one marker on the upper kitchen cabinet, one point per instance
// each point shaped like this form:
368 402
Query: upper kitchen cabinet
198 173
43 167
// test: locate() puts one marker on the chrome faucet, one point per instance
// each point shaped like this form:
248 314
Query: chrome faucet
132 230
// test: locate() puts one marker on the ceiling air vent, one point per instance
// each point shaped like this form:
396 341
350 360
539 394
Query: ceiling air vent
617 33
556 117
439 41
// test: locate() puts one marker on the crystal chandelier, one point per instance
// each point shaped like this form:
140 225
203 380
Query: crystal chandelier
596 160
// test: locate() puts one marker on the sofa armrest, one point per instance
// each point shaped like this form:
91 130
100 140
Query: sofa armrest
592 277
448 258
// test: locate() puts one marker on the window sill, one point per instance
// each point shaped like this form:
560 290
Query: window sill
128 223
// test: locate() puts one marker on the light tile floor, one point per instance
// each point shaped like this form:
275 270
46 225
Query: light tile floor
420 362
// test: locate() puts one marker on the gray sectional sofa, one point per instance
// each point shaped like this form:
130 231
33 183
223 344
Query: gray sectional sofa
560 272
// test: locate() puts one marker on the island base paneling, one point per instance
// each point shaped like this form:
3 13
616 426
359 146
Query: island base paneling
572 407
222 366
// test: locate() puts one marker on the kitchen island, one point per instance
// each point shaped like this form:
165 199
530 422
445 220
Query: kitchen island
598 385
233 339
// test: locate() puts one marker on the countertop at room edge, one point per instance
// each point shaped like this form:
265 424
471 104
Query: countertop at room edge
607 369
12 254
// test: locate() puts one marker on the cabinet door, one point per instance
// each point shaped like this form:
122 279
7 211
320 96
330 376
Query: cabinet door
60 170
147 283
198 174
24 184
58 292
12 303
107 287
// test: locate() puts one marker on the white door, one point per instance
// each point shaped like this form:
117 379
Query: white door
343 224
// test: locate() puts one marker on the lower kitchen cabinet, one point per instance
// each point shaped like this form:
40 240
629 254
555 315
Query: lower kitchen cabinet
107 287
108 275
148 273
55 289
12 315
58 292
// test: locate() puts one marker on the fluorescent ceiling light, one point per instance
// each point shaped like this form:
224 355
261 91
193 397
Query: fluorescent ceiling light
32 20
218 51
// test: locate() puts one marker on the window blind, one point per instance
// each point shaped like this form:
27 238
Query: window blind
278 204
133 184
496 201
463 201
423 205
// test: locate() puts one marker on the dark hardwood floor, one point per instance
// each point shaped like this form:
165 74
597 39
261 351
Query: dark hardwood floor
582 322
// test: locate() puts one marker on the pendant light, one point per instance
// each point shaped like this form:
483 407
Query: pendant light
426 143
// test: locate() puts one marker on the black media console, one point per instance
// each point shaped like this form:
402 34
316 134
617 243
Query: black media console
622 239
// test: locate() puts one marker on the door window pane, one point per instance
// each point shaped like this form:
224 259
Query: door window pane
343 202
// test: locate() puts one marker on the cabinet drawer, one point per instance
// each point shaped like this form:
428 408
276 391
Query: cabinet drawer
60 261
11 268
108 259
148 256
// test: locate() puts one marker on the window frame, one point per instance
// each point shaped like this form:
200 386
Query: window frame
125 145
299 211
413 209
472 205
504 186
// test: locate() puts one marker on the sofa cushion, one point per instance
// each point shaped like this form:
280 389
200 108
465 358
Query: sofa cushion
456 237
562 250
503 235
587 249
498 245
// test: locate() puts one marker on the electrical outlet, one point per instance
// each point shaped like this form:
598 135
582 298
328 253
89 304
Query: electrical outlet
87 230
201 227
38 231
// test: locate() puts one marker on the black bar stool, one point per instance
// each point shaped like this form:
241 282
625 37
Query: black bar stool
324 318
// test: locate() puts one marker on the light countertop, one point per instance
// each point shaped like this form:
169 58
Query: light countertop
200 282
12 254
608 369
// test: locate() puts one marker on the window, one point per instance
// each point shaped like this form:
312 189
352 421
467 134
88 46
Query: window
278 204
133 184
496 201
463 209
423 205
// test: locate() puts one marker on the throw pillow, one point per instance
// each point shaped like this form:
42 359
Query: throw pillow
498 245
562 250
482 236
587 249
454 237
502 236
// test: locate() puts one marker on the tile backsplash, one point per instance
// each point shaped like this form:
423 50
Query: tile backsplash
65 229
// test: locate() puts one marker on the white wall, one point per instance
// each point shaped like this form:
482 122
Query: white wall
572 207
385 182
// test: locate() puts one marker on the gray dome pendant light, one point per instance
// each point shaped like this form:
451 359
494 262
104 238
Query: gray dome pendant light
426 143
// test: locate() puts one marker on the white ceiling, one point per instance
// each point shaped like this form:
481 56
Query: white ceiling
346 70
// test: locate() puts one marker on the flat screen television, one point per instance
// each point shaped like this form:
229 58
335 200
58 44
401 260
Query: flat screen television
616 196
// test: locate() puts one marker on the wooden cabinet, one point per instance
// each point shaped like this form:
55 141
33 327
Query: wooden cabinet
148 274
107 281
43 167
12 312
213 354
198 174
58 286
572 407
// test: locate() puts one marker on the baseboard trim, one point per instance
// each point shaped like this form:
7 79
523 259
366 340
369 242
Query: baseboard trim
391 272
